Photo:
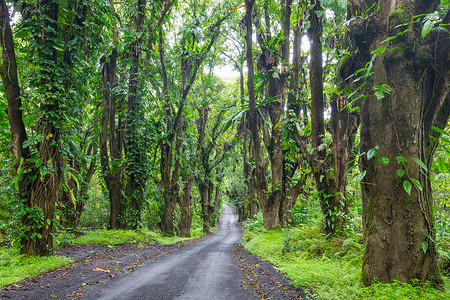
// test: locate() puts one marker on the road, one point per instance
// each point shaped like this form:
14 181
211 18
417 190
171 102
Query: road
206 270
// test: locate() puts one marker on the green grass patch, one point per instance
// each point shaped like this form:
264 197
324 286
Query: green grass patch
116 237
15 267
330 268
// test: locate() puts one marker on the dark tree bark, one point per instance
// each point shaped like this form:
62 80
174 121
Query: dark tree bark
186 211
112 172
398 226
292 191
268 63
112 136
185 205
343 130
8 71
329 201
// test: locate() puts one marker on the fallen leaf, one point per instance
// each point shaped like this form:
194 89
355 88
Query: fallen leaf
101 270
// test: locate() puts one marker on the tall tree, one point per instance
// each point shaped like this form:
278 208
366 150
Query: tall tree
397 201
52 87
111 137
135 140
260 168
196 48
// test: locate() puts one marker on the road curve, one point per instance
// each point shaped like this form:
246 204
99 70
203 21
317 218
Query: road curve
205 270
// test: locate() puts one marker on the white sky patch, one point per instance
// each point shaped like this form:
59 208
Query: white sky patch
226 72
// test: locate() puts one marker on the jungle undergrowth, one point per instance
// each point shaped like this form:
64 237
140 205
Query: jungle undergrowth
329 267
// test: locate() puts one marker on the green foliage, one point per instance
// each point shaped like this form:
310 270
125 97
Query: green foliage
15 267
255 222
330 268
116 237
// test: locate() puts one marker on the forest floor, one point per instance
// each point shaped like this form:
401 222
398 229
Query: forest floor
97 267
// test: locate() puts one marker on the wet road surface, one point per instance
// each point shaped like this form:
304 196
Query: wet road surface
205 270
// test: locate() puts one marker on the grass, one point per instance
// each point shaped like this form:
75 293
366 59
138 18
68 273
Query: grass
15 267
141 236
331 269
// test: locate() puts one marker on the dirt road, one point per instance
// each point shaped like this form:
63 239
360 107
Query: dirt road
206 270
212 267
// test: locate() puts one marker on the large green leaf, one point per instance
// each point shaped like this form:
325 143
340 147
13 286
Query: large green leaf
400 172
360 176
417 183
420 163
426 28
407 186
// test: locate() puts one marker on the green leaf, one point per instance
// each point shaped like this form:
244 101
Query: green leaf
384 160
400 159
426 28
360 176
372 152
307 130
21 34
400 172
75 139
420 163
407 186
58 48
425 246
38 163
417 183
440 131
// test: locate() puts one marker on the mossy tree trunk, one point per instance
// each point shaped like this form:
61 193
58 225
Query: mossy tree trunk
397 205
135 139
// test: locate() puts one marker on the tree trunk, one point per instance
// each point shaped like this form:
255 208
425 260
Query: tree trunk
8 71
398 210
112 174
204 200
135 145
343 127
185 206
330 204
217 197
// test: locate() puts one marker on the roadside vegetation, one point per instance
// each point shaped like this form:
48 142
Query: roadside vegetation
328 268
15 266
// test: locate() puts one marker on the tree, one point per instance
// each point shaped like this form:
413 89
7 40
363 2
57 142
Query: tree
195 47
111 136
409 72
52 89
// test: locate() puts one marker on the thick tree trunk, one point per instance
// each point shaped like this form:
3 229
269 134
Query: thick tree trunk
343 127
185 207
134 139
204 196
8 71
329 202
260 169
398 221
112 175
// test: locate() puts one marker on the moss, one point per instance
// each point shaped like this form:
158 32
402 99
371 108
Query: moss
365 277
396 17
345 64
394 53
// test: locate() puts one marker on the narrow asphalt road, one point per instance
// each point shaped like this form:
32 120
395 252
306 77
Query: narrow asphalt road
206 270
